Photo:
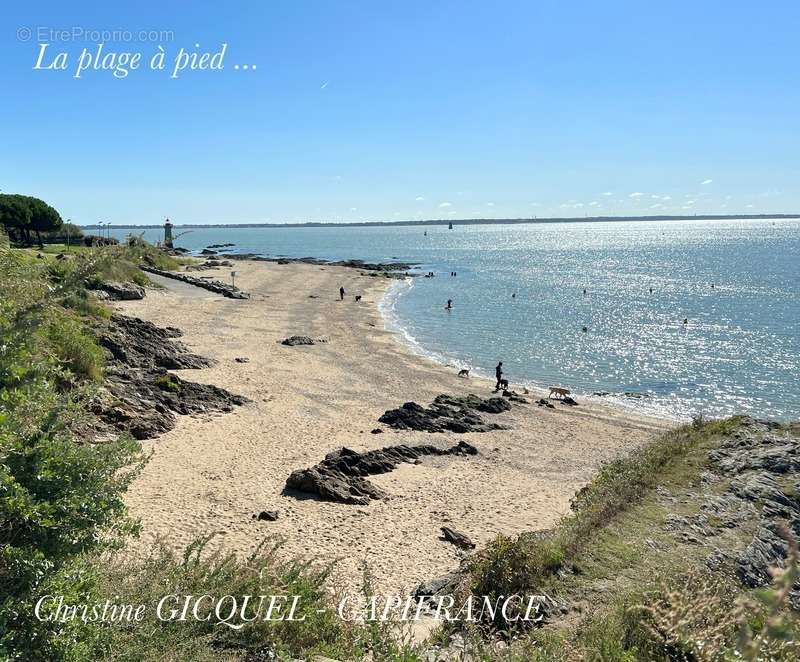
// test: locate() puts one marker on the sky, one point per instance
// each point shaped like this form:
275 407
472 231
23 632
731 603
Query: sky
363 111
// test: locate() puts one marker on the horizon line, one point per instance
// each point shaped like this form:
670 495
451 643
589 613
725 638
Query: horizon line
462 221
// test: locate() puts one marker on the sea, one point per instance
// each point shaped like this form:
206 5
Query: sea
674 319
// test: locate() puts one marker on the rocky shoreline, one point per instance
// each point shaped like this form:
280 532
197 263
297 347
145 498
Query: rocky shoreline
139 396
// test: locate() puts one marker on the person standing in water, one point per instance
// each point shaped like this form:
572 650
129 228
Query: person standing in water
498 372
449 305
341 294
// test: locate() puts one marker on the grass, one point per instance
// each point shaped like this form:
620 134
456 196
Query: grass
200 570
635 593
532 560
168 382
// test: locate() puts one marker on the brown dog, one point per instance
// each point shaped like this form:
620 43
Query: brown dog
560 392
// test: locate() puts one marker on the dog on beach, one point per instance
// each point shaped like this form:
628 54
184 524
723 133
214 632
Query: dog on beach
504 384
560 392
463 373
358 297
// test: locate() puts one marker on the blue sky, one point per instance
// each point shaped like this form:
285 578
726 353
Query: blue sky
389 110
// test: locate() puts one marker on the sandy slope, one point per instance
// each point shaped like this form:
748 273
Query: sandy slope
212 473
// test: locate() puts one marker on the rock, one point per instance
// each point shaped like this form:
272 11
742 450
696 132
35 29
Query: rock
141 344
341 475
513 396
766 549
376 431
456 538
446 413
267 516
208 251
208 264
220 246
292 341
139 396
443 585
566 400
117 291
242 359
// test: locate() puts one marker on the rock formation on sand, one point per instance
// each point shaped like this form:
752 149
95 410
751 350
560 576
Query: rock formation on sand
139 396
341 475
116 291
447 414
456 538
293 341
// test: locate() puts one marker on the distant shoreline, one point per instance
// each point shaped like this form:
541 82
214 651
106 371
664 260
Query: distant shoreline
468 221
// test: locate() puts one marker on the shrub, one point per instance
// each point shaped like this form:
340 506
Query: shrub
76 350
58 498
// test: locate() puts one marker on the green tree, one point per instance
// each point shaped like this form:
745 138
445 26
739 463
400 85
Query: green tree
26 213
43 217
15 214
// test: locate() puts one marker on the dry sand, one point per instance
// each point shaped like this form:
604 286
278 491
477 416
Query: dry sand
212 473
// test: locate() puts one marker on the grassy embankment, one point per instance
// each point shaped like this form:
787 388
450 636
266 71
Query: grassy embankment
636 590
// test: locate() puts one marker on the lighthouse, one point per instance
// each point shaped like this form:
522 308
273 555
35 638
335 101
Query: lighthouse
167 234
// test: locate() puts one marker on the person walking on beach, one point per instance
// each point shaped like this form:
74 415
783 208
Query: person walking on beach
498 372
341 294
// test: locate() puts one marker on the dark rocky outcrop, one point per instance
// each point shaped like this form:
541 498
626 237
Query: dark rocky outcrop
209 264
116 291
447 414
136 343
757 465
456 538
341 476
376 268
513 396
293 341
211 285
266 516
139 396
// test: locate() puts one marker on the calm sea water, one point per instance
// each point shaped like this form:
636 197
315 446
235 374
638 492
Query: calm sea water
738 353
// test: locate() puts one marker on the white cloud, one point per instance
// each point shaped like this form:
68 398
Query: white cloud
638 194
608 193
594 203
665 198
689 203
445 204
706 182
490 204
658 205
749 206
535 204
419 198
353 208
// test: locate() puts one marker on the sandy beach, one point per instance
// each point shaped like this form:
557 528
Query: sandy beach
212 473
